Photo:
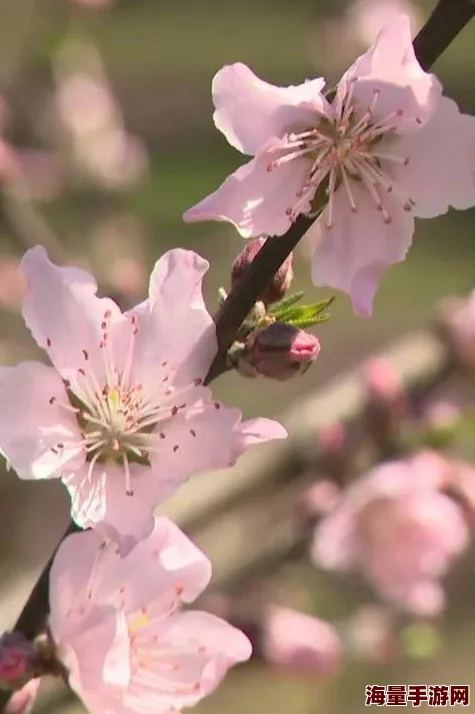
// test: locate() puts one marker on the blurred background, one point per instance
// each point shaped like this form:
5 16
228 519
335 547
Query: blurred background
106 138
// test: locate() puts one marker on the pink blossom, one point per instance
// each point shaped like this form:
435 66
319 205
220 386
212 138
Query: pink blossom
12 283
365 18
122 416
371 635
92 122
22 700
386 148
458 318
300 643
399 529
119 628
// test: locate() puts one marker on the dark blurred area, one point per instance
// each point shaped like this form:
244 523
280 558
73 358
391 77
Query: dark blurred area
107 138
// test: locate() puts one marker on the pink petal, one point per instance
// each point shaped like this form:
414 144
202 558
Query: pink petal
64 314
204 647
97 652
440 172
334 544
255 431
68 585
174 324
254 199
249 111
353 254
391 67
204 438
23 700
30 426
165 565
103 501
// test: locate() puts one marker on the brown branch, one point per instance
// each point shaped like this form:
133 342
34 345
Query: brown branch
447 20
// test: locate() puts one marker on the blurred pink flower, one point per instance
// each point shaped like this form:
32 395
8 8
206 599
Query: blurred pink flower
22 700
12 283
365 18
381 379
94 3
371 635
458 319
119 628
300 643
338 38
93 124
122 416
399 529
320 499
387 148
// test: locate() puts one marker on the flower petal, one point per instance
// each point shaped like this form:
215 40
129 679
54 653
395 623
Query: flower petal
162 567
97 653
205 437
174 324
203 646
391 67
353 254
249 111
22 700
255 431
440 172
64 314
67 584
31 426
255 199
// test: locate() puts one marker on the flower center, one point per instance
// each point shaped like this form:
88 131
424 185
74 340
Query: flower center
118 419
342 150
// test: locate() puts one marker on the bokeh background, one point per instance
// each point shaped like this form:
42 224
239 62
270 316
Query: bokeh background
115 204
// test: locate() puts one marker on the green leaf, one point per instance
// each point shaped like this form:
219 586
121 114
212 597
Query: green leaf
309 322
286 303
305 312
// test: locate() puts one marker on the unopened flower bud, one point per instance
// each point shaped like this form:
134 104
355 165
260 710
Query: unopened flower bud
18 659
387 404
281 281
300 643
442 419
282 351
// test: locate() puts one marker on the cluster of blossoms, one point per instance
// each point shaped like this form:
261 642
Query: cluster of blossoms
123 418
123 415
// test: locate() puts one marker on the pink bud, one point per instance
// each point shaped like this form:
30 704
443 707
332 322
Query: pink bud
301 643
282 351
320 499
17 657
281 281
371 635
332 438
22 701
381 379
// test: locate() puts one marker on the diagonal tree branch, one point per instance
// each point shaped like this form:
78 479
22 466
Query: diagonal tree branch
447 20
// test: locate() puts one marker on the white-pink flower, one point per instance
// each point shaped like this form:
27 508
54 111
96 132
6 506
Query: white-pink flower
384 148
301 643
397 527
119 629
122 416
